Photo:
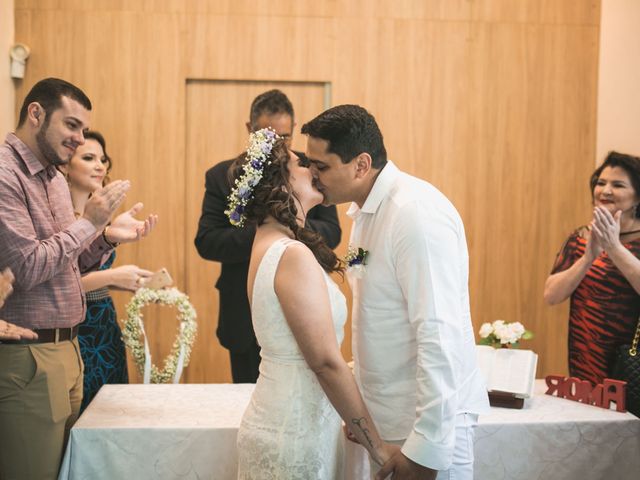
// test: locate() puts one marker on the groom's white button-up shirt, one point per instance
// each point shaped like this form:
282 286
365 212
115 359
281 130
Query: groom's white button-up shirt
414 348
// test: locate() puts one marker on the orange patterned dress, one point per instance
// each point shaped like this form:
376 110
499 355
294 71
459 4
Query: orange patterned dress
603 313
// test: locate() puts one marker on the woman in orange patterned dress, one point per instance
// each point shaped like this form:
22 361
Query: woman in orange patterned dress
598 267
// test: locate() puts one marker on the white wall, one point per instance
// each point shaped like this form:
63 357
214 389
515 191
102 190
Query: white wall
619 79
7 88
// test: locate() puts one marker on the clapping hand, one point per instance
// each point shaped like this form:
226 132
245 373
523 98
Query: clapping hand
126 228
104 202
606 228
593 249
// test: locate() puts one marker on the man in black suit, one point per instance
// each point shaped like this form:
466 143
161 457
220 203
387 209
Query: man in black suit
220 241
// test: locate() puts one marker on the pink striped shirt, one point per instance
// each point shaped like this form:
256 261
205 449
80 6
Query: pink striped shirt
41 241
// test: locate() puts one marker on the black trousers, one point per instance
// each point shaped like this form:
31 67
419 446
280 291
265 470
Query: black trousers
245 365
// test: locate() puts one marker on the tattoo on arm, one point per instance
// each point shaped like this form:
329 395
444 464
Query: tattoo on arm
361 423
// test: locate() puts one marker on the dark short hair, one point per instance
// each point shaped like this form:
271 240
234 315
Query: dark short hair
629 163
48 93
350 131
270 103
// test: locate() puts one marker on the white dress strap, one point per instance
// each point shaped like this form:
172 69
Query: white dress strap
289 241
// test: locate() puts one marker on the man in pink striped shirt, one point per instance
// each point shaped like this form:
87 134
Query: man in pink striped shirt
47 249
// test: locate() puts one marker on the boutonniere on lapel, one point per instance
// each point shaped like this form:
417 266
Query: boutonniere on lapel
356 259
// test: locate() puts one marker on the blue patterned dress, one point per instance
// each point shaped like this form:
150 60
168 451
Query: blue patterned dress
101 343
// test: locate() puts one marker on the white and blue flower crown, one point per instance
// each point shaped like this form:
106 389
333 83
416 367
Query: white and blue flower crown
260 145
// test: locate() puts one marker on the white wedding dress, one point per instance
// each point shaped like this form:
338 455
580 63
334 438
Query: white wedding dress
290 430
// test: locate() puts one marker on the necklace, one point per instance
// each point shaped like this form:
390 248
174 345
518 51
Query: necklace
630 232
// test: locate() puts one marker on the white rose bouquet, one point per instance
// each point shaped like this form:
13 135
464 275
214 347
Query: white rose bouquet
501 334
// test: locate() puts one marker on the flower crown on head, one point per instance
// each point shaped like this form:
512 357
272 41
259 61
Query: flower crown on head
260 145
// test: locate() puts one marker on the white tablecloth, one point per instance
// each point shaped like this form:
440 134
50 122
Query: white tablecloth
553 438
138 432
189 432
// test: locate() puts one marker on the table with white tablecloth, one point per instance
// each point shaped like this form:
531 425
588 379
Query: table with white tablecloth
554 438
189 432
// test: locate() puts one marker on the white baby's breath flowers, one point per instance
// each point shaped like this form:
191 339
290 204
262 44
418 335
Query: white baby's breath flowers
133 329
257 158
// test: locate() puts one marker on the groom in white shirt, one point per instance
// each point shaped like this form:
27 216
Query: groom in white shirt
414 348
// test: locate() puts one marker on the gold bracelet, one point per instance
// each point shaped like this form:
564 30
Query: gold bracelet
104 236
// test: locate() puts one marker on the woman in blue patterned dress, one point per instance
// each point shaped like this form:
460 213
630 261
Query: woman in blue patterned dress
99 336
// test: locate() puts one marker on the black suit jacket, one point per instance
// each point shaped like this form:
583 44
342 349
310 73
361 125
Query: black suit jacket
220 241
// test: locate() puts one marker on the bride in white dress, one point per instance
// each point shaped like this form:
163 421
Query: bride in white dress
292 428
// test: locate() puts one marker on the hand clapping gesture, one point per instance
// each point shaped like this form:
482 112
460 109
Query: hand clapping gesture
594 249
104 202
606 228
126 228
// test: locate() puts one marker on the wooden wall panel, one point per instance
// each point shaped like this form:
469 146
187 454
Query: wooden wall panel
258 48
523 11
532 146
492 101
569 12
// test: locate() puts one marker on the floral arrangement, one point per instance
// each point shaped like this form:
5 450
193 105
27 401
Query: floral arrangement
181 350
356 259
503 334
260 146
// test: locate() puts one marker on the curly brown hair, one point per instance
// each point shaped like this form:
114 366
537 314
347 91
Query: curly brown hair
274 196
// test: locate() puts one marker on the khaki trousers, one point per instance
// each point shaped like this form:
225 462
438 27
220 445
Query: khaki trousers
40 396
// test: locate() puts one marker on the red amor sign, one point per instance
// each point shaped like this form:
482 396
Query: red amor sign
578 390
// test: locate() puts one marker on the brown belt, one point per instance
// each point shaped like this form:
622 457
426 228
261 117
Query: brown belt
49 335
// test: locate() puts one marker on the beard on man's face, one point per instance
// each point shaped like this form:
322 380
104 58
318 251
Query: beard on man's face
48 152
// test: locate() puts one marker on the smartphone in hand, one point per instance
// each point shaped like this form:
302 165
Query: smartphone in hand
160 279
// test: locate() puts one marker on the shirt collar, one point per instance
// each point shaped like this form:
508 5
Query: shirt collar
26 155
381 187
